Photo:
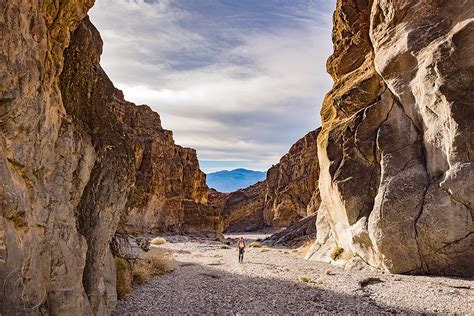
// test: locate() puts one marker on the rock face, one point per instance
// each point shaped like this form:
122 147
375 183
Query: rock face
292 184
169 185
295 235
46 163
242 210
396 145
75 160
289 193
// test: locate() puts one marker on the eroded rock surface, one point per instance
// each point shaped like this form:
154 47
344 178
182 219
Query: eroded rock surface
75 160
297 234
289 193
292 184
396 143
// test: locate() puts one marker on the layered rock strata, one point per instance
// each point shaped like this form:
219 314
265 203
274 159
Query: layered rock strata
396 145
169 185
297 234
292 184
289 193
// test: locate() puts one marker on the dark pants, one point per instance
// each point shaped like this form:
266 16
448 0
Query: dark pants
241 255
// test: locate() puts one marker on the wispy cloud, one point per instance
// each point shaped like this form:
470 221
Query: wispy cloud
240 81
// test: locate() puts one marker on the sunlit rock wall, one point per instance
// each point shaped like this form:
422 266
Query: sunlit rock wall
76 160
396 144
289 193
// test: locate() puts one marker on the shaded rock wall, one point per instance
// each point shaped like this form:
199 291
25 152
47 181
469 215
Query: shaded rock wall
396 145
46 162
242 210
289 193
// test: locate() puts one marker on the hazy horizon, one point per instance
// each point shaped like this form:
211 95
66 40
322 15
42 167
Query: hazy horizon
239 81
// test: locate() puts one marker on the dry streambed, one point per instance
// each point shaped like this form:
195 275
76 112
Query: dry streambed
209 279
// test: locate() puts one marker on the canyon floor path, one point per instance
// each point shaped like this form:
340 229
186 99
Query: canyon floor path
209 280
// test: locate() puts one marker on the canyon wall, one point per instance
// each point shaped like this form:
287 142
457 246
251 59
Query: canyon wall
289 193
77 161
396 145
169 186
292 184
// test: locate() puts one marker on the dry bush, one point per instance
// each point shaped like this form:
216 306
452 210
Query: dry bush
151 264
308 280
225 247
158 241
336 253
255 245
123 277
265 250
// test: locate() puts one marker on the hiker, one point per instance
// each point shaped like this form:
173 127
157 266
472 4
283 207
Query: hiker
241 246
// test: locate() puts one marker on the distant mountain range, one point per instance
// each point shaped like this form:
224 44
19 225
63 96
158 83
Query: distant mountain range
230 181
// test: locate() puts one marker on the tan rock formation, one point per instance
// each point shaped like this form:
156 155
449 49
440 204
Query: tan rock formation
289 193
396 146
292 183
243 209
71 152
45 162
169 184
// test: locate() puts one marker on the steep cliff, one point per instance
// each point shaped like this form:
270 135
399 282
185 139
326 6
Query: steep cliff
76 159
396 145
289 193
242 210
46 162
292 184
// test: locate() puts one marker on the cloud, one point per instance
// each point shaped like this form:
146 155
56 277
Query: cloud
240 81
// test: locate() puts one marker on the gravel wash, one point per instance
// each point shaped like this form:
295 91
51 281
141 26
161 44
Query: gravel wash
209 280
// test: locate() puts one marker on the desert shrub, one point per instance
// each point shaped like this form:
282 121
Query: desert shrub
151 264
336 253
255 245
312 282
225 247
265 250
329 272
123 277
158 241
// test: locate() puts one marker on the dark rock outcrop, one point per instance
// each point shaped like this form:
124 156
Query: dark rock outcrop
295 235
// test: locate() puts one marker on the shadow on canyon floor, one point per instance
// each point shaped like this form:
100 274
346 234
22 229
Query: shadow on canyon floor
200 289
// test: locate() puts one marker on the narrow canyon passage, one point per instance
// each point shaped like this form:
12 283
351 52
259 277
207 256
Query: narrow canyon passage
208 279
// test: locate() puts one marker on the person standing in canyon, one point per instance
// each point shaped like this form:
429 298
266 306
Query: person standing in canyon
241 246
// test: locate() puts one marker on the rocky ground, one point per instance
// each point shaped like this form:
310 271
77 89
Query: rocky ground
209 280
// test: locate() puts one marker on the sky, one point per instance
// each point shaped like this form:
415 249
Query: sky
238 80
